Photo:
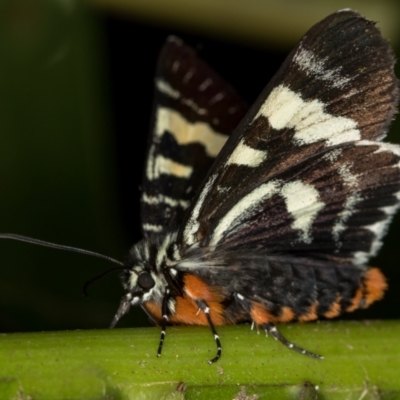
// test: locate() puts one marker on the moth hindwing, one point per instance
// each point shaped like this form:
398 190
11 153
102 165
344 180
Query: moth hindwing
280 227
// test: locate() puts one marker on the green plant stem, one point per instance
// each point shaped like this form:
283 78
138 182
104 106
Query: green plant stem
361 359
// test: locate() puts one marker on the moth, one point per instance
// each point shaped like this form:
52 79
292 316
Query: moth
268 214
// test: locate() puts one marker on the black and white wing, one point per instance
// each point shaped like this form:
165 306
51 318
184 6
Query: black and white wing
305 172
194 113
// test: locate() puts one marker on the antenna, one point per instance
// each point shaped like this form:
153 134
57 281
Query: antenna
43 243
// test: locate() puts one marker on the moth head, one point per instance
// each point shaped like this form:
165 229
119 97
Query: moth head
142 284
138 280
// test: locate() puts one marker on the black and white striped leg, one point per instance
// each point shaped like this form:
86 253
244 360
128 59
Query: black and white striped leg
204 307
164 322
272 329
245 304
242 301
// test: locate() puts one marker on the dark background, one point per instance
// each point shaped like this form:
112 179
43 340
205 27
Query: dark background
75 107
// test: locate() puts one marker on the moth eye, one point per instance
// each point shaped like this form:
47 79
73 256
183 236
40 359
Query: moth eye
145 281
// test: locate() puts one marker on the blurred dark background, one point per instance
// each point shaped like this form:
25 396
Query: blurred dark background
76 83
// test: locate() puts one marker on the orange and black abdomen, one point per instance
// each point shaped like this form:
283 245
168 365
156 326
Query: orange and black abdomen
348 297
283 292
278 292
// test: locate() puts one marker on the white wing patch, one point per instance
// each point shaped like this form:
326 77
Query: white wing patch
245 155
152 228
344 215
348 177
351 181
167 89
379 228
241 209
161 199
160 165
207 83
186 132
302 201
311 65
286 109
193 223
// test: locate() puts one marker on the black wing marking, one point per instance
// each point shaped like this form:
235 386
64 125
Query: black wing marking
194 112
303 172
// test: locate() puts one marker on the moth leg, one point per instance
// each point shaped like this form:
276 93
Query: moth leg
204 307
272 329
246 306
164 322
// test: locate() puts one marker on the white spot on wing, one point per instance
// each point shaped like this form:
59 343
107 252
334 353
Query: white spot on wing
205 85
379 228
351 181
390 210
345 214
389 147
190 103
286 109
161 199
188 75
186 132
245 155
193 224
223 189
316 67
332 155
302 201
239 211
167 89
218 97
160 165
152 228
348 177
